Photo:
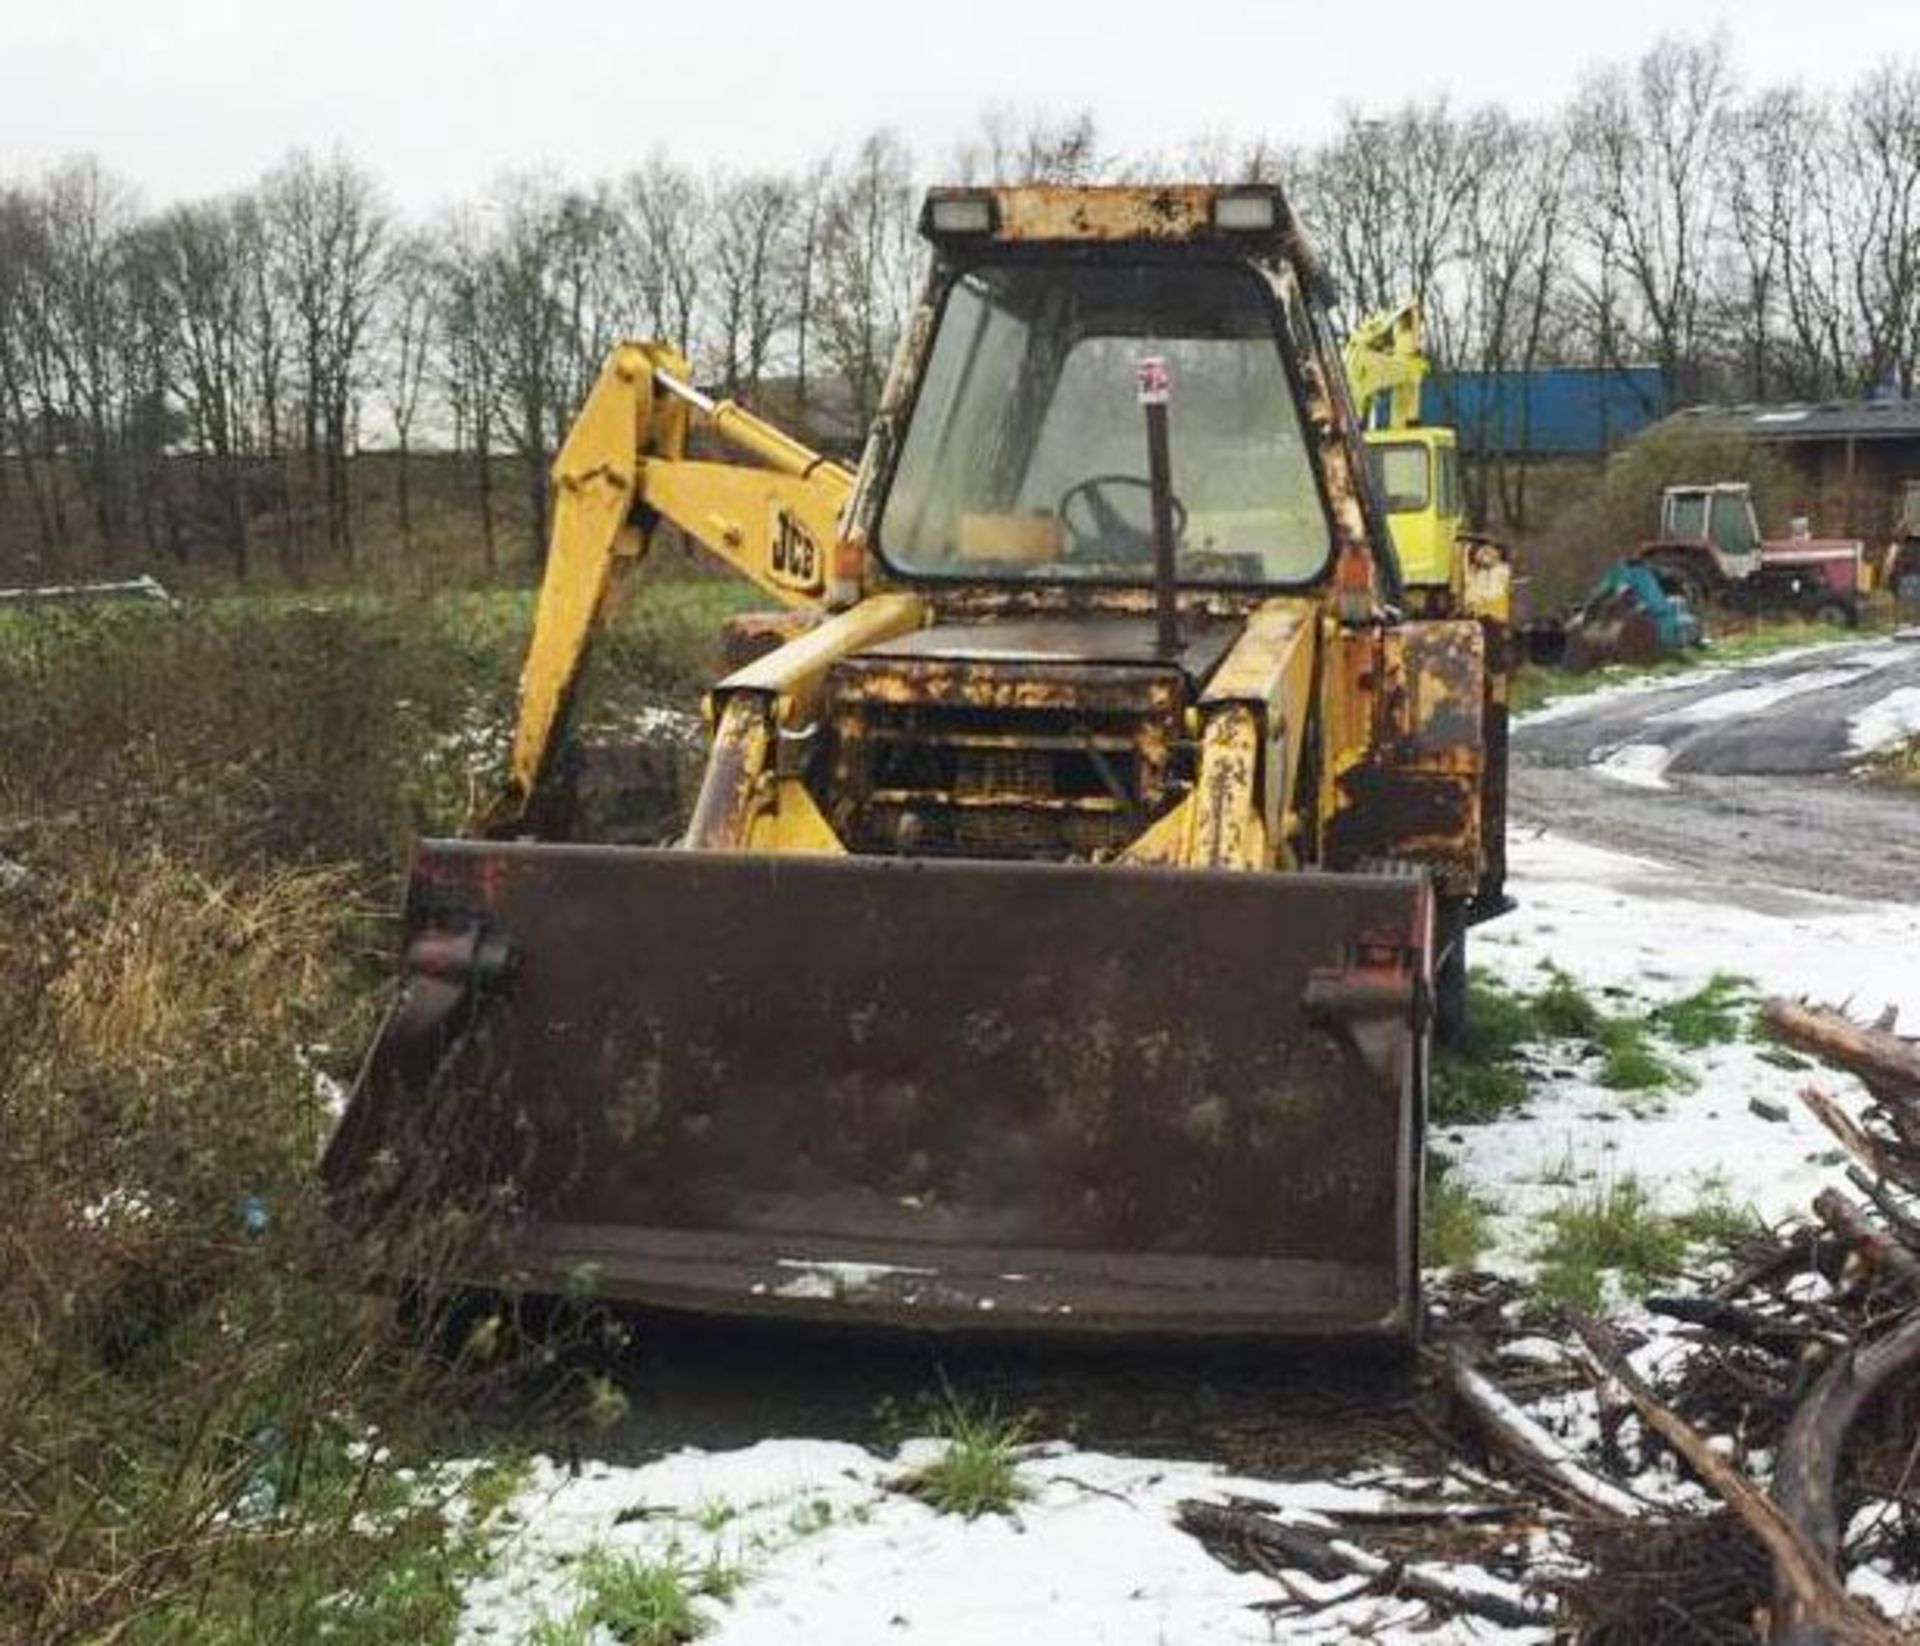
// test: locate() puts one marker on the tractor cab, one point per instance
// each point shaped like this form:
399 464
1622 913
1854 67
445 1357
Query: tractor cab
1718 518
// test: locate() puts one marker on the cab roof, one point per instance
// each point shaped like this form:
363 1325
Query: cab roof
1249 214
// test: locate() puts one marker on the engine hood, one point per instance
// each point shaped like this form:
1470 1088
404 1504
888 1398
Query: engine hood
1042 642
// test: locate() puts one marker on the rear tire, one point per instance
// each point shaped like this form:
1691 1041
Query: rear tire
1837 614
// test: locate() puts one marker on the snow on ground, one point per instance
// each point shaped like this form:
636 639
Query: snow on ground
1629 681
1894 719
1744 702
831 1550
1657 933
1638 765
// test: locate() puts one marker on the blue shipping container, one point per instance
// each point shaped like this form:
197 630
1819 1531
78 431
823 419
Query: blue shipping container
1561 411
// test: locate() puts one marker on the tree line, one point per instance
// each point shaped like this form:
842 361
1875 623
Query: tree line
193 380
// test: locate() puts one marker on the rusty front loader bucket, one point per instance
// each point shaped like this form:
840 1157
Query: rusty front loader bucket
940 1094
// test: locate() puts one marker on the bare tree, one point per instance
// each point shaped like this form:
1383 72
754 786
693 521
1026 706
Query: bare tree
1386 200
549 308
867 258
815 190
667 205
1012 145
1762 174
87 216
1880 141
752 254
1649 141
408 319
28 415
1513 229
465 366
330 243
199 260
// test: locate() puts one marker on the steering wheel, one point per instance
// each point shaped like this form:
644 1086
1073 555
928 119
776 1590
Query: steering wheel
1106 526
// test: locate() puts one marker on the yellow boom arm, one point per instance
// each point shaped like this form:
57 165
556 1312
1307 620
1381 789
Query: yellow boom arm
622 470
1386 354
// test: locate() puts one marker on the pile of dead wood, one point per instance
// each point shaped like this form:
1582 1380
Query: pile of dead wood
1806 1376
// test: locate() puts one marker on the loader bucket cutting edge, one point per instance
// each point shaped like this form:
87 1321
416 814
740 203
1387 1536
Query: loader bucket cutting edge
937 1094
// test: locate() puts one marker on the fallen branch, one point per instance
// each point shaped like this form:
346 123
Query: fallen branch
1856 1141
1799 1250
1891 1260
1899 1219
1810 1450
1785 1337
1434 1514
1887 1062
1548 1459
1327 1558
1816 1609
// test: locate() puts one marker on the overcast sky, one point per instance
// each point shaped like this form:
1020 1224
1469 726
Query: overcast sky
189 97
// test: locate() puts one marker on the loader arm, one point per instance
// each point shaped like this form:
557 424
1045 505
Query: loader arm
1386 354
622 471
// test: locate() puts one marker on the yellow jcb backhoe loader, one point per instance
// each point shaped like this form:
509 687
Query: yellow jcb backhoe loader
1053 941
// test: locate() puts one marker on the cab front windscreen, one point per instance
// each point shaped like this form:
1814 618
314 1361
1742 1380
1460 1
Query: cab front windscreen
1026 453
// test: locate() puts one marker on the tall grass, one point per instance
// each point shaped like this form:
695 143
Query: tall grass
203 820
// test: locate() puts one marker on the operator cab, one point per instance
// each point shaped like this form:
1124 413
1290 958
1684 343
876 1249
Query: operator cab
1024 457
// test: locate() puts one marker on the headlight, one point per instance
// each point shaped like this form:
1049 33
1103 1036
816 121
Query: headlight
960 214
1247 213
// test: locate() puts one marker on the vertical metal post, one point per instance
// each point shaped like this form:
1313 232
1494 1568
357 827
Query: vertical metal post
1156 389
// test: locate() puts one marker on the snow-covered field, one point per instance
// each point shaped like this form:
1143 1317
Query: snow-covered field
826 1549
1617 922
833 1552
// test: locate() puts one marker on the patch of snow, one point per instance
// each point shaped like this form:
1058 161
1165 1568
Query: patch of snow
329 1091
830 1552
1894 719
1744 702
829 1278
1633 684
117 1207
1897 1598
1638 765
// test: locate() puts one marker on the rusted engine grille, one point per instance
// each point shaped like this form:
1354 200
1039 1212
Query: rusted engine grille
939 759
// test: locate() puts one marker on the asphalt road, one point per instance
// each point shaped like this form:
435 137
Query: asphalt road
1746 772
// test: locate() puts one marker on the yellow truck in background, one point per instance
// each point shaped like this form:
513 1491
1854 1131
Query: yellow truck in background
1416 465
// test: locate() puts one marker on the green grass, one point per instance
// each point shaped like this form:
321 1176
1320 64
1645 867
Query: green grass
1715 1218
1564 1010
1485 1076
978 1472
641 1600
1615 1228
338 1550
1453 1219
1715 1014
815 1515
1480 1079
714 1514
